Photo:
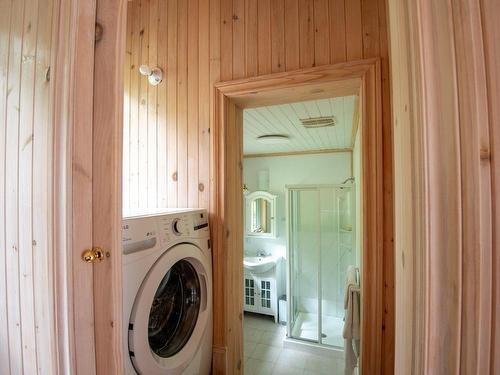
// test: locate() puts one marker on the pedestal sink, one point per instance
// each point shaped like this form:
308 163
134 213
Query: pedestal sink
259 264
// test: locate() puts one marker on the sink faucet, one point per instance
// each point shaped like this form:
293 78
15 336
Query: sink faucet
261 253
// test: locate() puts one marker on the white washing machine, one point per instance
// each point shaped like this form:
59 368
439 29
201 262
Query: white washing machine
167 293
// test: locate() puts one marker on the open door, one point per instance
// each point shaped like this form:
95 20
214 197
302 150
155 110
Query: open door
106 183
88 118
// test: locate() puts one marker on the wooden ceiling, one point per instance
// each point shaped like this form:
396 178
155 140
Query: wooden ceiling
286 119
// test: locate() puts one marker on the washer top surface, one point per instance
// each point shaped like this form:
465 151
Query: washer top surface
146 212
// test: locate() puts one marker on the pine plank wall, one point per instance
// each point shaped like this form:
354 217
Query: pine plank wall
27 321
201 42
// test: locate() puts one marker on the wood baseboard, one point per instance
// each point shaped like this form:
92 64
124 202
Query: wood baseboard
219 360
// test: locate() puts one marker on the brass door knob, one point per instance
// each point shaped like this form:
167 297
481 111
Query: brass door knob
93 255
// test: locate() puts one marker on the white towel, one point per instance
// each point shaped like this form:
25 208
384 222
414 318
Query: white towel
352 329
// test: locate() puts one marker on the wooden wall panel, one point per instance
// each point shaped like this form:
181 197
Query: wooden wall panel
207 41
445 62
337 31
26 294
491 35
292 51
255 38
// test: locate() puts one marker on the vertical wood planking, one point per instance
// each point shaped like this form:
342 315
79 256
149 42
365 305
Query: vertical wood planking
278 36
226 39
172 72
26 292
162 169
476 191
215 63
370 28
42 216
133 177
239 21
12 188
152 106
144 88
353 30
182 104
204 104
337 31
193 104
126 110
25 154
263 37
5 22
491 34
251 27
292 50
321 33
306 33
255 37
405 189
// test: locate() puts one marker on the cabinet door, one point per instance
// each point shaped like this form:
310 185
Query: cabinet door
249 294
267 295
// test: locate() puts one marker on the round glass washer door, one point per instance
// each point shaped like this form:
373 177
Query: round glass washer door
174 310
170 311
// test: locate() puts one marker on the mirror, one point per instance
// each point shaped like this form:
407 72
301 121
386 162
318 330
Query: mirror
261 219
261 209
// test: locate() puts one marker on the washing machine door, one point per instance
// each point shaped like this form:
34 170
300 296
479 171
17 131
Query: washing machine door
170 312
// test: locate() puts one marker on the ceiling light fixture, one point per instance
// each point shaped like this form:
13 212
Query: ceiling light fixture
272 139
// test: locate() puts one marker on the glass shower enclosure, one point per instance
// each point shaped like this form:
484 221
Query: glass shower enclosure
321 246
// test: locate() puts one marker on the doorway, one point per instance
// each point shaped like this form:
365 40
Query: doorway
301 238
232 98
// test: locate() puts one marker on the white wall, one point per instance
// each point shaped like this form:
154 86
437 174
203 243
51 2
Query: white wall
302 170
291 170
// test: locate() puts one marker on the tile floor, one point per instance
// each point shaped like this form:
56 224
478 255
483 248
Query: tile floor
265 355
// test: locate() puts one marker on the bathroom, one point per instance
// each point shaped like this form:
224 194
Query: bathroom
302 178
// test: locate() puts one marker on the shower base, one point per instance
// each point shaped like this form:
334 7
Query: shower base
306 328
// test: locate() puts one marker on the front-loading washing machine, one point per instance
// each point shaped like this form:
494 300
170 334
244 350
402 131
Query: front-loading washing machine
167 293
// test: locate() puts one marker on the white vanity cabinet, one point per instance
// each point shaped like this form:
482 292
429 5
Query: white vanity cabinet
260 294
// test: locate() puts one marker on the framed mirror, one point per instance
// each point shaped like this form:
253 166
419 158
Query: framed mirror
260 210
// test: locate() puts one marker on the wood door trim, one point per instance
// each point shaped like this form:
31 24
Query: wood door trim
107 183
231 98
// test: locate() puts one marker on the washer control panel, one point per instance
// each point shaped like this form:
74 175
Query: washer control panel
138 235
193 225
144 232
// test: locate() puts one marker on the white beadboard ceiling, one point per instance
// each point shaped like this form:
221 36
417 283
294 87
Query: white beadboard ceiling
285 119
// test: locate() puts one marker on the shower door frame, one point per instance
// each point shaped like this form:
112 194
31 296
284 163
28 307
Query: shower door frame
289 219
362 78
291 311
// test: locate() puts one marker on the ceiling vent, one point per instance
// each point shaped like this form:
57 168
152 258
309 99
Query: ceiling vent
318 122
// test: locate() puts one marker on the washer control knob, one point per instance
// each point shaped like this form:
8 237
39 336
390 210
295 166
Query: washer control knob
176 227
